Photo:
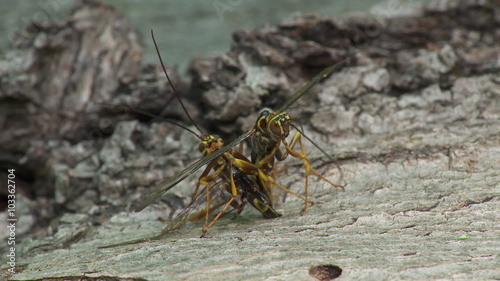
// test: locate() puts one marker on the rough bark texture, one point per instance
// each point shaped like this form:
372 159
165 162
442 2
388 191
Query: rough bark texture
412 121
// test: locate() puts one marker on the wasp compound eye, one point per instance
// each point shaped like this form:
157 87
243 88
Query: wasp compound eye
275 127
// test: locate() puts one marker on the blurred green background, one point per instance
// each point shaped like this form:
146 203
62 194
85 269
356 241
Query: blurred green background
185 29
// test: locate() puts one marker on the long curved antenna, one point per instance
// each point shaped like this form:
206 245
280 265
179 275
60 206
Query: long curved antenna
152 116
171 84
311 141
318 78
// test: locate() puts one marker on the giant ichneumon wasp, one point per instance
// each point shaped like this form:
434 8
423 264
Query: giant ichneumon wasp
229 166
231 172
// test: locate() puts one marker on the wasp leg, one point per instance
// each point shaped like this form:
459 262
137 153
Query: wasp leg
207 227
274 176
240 148
289 148
268 178
205 179
202 213
262 173
160 219
214 188
234 193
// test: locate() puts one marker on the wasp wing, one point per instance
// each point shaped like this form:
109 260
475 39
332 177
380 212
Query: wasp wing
214 190
167 184
318 78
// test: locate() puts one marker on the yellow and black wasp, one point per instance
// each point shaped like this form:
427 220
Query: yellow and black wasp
272 129
229 171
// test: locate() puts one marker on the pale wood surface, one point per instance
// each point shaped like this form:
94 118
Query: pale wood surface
412 122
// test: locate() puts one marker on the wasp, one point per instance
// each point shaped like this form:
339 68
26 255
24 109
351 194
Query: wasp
265 149
228 171
272 129
233 172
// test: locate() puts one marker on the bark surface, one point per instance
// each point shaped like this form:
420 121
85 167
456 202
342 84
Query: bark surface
412 122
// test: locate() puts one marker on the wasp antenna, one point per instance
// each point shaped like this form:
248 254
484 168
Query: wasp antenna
171 84
153 116
318 78
311 141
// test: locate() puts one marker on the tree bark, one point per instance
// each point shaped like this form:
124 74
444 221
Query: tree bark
412 122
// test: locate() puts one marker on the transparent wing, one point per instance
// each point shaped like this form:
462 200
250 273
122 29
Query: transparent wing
318 78
167 184
214 190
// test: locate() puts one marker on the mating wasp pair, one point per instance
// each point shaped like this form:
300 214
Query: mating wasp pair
230 171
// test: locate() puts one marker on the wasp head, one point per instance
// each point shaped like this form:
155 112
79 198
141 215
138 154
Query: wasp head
210 143
276 125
